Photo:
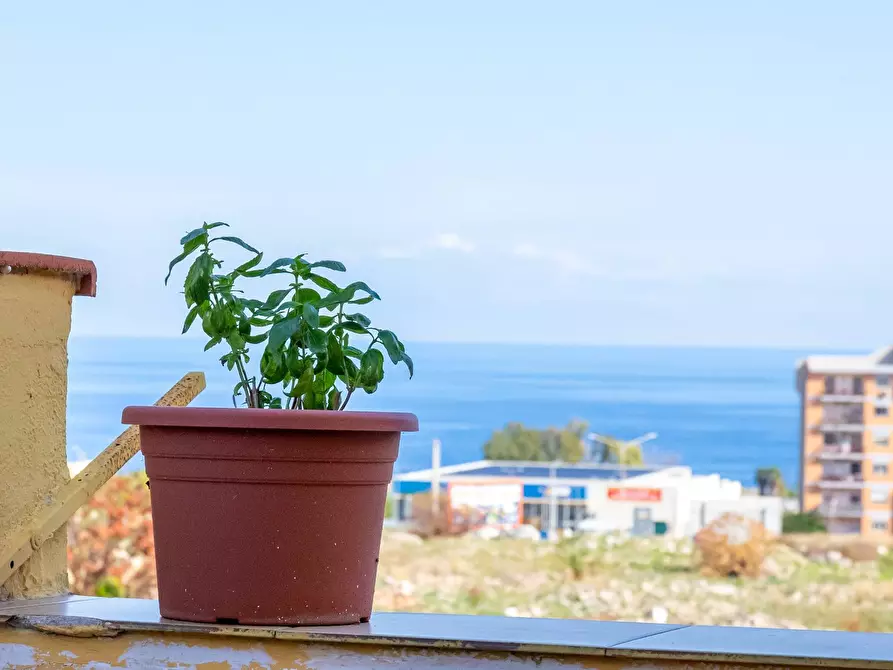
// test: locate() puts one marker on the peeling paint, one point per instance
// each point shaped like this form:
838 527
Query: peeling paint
70 626
30 649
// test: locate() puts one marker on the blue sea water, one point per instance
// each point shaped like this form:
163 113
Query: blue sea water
715 409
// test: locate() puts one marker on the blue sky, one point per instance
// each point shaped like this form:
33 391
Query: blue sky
634 173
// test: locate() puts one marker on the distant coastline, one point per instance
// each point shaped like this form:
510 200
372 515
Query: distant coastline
724 410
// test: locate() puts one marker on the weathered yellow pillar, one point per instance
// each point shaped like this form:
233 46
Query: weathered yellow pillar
35 320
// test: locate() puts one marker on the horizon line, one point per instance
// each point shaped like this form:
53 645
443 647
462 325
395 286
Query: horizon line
532 343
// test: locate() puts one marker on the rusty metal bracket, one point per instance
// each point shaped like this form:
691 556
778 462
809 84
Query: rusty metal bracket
79 489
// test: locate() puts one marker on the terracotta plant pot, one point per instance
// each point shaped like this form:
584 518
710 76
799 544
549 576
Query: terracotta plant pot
267 516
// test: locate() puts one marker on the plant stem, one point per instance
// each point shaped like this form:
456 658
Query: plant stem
347 399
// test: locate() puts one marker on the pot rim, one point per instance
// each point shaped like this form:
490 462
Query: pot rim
270 419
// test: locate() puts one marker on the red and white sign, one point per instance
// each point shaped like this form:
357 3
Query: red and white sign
634 495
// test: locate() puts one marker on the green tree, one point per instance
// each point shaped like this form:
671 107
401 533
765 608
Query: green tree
770 482
516 442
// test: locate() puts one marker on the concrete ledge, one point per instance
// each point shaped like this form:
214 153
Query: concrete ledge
58 625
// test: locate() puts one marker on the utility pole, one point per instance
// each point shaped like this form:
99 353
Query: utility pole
435 480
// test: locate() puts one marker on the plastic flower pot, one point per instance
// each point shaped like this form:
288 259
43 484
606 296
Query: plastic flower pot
267 516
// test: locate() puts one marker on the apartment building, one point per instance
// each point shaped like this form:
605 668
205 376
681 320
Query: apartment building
846 455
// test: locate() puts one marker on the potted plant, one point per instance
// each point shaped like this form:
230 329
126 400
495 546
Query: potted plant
272 513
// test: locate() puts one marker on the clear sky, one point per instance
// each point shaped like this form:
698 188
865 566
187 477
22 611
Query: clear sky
626 172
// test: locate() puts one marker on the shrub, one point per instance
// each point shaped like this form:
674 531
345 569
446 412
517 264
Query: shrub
802 522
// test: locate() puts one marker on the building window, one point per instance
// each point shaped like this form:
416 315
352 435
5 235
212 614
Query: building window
830 438
879 468
882 380
879 525
829 385
878 495
855 498
882 411
882 438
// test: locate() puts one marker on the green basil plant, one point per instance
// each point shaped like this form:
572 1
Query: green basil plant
318 349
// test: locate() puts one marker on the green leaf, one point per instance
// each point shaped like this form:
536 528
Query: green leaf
235 340
208 324
258 321
244 267
312 401
304 383
236 240
213 343
295 362
332 300
170 268
256 339
351 372
194 244
276 403
275 298
326 320
198 280
361 319
190 317
311 315
281 331
362 301
192 235
351 327
276 265
272 366
334 399
360 286
316 341
353 352
336 355
323 382
371 370
408 361
329 265
320 362
307 295
216 224
324 283
392 345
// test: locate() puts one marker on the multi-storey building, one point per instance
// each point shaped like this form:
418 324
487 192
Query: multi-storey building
846 454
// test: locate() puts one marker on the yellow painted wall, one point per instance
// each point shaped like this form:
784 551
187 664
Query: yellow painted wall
35 319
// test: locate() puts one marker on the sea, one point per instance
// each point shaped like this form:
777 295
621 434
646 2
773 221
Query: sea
717 410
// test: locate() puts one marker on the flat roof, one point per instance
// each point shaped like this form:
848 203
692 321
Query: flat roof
531 470
880 361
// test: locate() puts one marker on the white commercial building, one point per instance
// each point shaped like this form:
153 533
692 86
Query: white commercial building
588 497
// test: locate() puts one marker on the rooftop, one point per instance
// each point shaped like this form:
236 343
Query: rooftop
880 361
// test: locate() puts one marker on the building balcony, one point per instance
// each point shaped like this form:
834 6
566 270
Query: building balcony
847 451
842 427
845 398
834 481
844 510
